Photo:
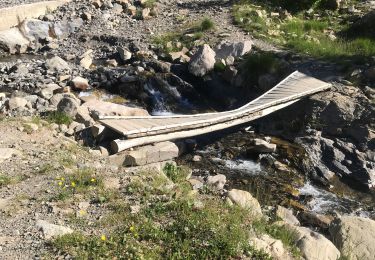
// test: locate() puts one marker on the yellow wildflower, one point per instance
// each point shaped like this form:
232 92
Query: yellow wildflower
103 238
60 183
62 178
132 228
92 180
73 184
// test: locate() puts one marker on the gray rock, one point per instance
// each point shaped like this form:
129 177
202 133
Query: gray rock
202 62
245 200
6 153
158 152
57 64
80 83
218 181
16 102
234 49
271 246
68 105
51 230
48 91
13 41
315 246
354 236
125 54
261 146
287 215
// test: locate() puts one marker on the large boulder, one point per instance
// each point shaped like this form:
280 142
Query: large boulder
365 26
13 41
271 246
101 108
158 152
203 61
354 236
314 246
234 49
245 200
68 105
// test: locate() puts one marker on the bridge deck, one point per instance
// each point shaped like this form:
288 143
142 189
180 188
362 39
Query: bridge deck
294 87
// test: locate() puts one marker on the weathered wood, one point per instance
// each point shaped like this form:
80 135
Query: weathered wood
143 130
121 145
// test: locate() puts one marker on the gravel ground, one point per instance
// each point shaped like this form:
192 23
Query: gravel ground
7 3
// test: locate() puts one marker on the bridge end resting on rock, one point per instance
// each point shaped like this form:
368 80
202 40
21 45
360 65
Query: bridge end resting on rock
138 131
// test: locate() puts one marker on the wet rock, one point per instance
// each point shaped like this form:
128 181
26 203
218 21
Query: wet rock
311 245
57 64
316 220
80 83
354 236
234 49
261 146
370 73
202 61
51 230
218 181
287 215
245 200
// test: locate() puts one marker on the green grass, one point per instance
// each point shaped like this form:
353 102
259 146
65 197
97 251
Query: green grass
149 3
259 63
187 36
169 231
206 24
168 225
286 235
304 35
82 181
59 118
5 180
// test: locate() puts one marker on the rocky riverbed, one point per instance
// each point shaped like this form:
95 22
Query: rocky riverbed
91 58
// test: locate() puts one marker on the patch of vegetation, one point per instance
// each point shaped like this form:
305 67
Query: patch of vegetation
82 181
287 236
5 180
58 117
317 36
167 226
149 3
172 231
259 63
188 37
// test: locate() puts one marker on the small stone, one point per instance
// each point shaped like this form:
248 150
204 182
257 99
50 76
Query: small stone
125 54
80 83
218 181
16 102
51 230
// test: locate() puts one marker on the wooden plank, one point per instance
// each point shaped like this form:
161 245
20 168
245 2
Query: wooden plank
172 123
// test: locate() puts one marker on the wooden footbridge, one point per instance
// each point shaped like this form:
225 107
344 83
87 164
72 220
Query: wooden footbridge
138 131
